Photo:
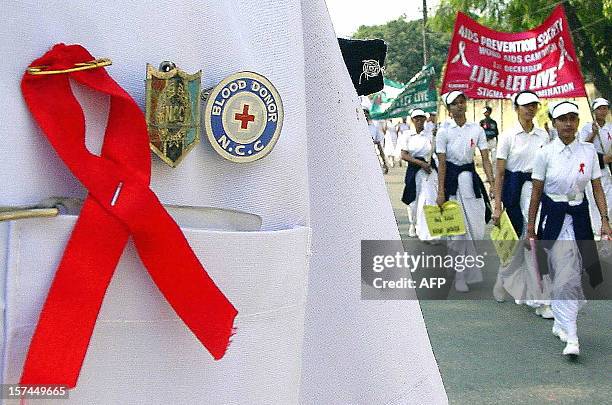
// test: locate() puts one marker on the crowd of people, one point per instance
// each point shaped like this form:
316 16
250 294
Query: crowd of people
554 184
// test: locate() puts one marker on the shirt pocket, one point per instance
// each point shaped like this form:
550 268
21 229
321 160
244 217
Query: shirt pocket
140 348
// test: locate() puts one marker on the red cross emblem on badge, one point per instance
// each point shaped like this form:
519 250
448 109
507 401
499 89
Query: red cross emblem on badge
472 143
244 117
581 169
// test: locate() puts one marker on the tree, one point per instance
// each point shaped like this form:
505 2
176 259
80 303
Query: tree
405 46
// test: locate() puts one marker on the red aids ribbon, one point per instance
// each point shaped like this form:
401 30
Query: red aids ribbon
471 143
120 205
581 170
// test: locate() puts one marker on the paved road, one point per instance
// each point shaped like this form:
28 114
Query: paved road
491 353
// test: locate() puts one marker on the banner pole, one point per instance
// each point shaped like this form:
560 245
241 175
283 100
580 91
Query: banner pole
586 93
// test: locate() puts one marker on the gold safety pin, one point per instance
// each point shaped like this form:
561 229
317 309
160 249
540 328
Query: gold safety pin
50 207
93 64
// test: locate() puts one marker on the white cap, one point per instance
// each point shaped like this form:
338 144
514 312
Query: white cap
598 102
564 107
525 97
417 112
551 106
452 96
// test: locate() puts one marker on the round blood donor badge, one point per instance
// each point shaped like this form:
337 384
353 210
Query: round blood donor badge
243 117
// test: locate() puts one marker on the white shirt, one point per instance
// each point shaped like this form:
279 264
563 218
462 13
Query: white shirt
518 148
375 132
430 126
604 138
419 145
403 127
459 143
566 169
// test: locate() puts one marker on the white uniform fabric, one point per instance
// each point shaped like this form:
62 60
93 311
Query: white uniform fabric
430 126
565 264
459 145
518 147
519 278
421 145
602 144
304 335
427 192
566 169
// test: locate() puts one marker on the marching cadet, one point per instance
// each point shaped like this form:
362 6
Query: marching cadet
515 154
561 171
599 133
456 142
390 132
431 124
421 174
403 132
378 138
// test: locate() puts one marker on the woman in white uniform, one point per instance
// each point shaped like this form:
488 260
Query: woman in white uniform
456 142
561 171
403 132
515 155
599 133
421 174
390 142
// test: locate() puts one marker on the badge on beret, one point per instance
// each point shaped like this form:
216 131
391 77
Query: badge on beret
243 117
364 60
172 111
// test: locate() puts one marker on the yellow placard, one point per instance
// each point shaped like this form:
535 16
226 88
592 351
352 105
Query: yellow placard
505 240
445 222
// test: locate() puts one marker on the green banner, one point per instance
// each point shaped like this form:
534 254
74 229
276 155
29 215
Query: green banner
420 92
381 100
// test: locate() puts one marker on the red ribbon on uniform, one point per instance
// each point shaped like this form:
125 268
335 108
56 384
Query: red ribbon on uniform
581 170
472 144
119 205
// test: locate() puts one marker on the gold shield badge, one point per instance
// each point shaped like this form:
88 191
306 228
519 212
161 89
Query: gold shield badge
172 111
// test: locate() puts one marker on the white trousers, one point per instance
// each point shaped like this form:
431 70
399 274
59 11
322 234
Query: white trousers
473 216
565 265
520 277
427 192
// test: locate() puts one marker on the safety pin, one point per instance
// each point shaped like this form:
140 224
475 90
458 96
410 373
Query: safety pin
47 208
93 64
